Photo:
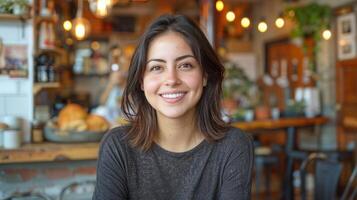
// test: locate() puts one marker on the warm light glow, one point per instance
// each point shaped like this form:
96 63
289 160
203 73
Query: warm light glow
326 34
95 45
262 26
230 16
101 8
69 41
279 22
219 6
245 22
81 28
67 25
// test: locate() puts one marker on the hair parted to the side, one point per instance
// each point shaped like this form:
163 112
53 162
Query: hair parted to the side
137 110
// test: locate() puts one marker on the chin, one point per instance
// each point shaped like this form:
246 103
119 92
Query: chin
175 114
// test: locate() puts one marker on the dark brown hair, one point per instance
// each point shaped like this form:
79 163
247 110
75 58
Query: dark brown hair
139 112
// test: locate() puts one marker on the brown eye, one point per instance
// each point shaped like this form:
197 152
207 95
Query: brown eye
155 68
185 66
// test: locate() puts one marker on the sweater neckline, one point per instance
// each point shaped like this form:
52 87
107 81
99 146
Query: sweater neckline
199 146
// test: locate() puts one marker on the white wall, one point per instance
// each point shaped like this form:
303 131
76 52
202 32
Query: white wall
16 97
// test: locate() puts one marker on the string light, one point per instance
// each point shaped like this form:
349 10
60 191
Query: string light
326 34
245 22
279 22
230 16
219 6
262 26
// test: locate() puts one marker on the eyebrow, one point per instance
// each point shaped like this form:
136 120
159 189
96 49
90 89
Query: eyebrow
177 59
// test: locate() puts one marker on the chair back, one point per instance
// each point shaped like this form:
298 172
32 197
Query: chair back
327 173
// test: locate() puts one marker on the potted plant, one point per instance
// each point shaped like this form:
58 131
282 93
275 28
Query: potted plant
20 7
239 92
5 6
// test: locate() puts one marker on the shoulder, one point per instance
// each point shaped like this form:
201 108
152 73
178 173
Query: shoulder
235 135
235 139
115 137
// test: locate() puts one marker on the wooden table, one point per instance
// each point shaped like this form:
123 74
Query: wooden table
290 125
47 152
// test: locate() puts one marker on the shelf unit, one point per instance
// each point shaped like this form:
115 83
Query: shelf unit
14 17
37 87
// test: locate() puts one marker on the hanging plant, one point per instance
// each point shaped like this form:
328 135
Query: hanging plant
310 20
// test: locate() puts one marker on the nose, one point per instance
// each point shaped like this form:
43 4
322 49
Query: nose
172 77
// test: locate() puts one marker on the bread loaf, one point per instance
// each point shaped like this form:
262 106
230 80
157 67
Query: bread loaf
72 117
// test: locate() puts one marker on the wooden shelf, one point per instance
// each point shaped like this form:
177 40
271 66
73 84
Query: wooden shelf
52 19
56 50
49 152
39 86
14 17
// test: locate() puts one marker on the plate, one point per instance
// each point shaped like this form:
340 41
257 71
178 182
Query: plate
55 135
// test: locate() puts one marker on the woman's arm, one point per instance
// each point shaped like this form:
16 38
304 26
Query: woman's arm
237 175
111 182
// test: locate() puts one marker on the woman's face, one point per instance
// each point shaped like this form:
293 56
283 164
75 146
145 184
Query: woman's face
173 79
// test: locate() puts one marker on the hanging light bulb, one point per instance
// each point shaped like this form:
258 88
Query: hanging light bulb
245 22
219 5
326 34
262 26
67 25
81 26
101 8
279 22
230 16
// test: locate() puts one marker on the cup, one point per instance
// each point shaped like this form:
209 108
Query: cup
11 139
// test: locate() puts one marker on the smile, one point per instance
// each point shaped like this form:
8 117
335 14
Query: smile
173 97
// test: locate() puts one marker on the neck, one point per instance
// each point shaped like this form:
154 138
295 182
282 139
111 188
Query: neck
178 135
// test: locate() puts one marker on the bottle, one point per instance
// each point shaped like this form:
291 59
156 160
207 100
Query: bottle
37 132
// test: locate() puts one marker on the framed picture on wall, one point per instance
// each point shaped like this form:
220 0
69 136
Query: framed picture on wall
346 36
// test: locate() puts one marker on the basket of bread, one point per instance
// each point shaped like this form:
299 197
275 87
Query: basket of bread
74 124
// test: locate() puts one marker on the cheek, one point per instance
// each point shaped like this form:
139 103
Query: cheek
195 81
149 85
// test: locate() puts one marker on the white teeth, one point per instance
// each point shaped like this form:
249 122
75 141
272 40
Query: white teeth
172 95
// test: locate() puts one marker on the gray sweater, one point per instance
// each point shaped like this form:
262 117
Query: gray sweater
220 170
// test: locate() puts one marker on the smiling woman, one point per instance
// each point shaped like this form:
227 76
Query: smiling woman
176 145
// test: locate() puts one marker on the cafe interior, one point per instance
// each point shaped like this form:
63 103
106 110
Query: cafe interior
290 82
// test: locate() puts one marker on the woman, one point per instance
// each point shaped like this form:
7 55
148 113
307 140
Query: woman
176 146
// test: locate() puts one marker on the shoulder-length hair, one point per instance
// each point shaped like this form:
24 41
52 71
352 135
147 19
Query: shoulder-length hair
139 112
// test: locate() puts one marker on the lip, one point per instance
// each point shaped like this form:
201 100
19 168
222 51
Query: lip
172 97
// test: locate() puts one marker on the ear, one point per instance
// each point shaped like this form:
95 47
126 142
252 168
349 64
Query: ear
205 80
142 85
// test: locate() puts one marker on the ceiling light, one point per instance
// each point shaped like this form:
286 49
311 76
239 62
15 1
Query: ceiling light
67 25
81 26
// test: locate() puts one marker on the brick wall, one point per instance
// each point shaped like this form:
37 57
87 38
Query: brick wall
49 179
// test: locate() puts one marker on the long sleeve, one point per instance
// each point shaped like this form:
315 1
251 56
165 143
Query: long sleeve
237 175
111 180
